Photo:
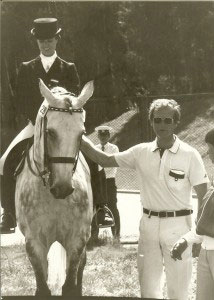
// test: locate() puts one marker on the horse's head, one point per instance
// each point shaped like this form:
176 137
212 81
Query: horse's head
58 132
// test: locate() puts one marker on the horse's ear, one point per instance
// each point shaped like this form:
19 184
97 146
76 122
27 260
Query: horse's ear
86 93
45 92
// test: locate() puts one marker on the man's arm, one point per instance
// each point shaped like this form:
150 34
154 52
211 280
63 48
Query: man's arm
201 190
98 156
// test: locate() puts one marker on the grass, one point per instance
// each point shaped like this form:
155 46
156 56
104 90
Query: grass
111 270
17 276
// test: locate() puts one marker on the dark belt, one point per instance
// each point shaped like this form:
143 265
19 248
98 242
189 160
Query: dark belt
167 214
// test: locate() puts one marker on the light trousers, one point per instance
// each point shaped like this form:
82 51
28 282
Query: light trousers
157 236
205 275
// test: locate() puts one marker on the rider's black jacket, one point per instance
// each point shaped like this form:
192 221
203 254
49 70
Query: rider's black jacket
28 96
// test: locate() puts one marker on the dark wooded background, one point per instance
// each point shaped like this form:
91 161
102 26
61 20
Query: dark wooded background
131 48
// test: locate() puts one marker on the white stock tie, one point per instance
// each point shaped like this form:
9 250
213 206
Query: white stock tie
47 67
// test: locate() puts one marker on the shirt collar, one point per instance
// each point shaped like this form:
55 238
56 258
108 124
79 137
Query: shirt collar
173 149
48 58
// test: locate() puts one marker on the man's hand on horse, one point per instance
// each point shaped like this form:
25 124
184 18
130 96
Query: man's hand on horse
178 249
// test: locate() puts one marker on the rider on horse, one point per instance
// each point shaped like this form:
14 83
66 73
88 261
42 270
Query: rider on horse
54 71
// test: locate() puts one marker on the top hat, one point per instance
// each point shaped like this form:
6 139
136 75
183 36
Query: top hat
103 129
45 28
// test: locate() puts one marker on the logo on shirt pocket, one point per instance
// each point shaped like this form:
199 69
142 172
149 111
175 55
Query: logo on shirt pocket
177 174
177 179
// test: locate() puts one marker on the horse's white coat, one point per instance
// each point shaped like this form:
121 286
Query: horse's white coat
42 218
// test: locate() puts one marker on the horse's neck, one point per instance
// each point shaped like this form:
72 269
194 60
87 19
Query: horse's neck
84 163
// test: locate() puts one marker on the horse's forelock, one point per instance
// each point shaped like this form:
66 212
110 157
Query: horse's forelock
59 90
63 97
68 102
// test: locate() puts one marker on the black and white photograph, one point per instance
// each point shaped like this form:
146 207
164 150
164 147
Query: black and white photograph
107 150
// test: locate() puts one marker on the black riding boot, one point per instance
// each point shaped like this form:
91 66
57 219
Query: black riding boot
8 185
8 222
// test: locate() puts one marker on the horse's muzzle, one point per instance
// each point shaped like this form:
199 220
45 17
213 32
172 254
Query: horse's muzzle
61 191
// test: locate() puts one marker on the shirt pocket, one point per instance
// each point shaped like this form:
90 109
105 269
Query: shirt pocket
177 179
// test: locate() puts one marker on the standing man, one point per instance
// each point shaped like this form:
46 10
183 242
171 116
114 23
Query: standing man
54 71
110 173
167 169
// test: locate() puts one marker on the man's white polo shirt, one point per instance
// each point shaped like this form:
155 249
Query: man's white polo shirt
159 189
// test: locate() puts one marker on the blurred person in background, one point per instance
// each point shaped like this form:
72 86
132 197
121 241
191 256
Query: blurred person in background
104 134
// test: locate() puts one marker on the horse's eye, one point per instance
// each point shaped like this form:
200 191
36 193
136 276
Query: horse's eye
52 133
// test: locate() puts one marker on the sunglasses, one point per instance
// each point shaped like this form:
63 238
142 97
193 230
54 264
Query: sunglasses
165 120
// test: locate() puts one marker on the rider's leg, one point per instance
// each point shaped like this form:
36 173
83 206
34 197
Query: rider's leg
8 196
8 189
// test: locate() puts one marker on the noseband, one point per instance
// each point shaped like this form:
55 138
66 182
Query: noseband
48 160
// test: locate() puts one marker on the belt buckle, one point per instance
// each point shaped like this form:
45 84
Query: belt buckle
162 214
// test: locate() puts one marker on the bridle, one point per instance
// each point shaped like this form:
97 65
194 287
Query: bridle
46 174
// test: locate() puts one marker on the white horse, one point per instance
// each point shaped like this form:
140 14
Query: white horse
53 192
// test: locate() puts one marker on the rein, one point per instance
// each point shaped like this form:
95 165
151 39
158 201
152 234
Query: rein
48 160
